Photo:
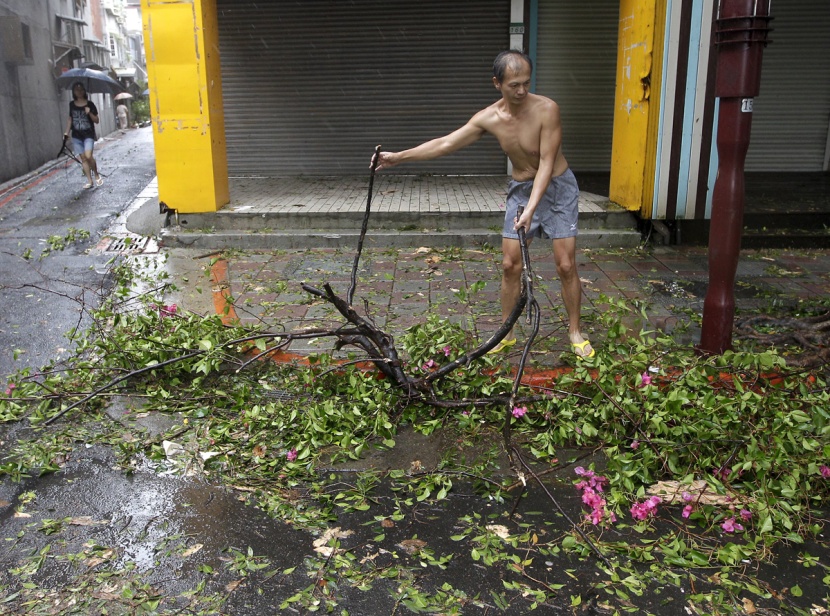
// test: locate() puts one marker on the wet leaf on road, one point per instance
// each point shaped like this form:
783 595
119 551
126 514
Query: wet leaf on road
192 550
412 546
321 545
85 520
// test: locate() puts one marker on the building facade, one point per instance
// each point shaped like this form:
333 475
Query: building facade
39 40
285 88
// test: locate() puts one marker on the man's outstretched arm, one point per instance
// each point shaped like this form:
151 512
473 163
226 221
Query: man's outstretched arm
461 138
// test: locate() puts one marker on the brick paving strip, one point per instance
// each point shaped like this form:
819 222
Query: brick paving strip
399 288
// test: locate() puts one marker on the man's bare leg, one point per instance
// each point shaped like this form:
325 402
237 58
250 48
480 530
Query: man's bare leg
511 278
564 254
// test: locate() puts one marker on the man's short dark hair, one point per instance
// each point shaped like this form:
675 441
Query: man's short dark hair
511 59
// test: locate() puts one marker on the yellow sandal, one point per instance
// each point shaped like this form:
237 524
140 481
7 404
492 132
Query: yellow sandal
579 349
503 345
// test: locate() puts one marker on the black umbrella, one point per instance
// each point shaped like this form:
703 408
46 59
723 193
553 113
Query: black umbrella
92 80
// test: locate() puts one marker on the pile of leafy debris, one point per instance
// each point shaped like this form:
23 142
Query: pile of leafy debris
707 466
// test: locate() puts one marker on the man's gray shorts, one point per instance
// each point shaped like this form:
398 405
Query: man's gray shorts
557 214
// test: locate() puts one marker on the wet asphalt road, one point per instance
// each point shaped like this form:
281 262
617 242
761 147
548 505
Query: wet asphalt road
43 299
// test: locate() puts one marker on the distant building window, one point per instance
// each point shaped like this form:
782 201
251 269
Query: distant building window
112 45
26 37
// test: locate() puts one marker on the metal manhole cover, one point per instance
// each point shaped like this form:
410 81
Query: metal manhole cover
130 245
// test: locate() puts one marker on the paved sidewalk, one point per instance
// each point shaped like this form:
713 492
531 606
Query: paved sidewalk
420 194
398 288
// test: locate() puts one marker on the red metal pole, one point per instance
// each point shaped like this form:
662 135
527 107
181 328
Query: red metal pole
741 32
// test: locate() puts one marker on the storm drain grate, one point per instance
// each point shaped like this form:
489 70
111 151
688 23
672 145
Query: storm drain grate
131 245
279 394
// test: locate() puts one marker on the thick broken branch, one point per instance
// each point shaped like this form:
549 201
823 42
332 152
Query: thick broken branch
377 343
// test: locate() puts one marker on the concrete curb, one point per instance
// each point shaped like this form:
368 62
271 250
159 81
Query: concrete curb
173 237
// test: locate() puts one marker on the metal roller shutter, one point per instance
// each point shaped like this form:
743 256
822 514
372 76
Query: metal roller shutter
311 87
791 114
576 64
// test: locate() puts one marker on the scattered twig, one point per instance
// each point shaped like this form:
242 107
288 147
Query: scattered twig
811 334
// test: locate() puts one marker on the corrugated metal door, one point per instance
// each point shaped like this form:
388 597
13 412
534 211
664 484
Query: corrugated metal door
576 64
791 114
312 87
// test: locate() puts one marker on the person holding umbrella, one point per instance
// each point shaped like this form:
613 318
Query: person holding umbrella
122 111
83 115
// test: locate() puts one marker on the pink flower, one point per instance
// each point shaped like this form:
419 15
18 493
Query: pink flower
687 498
10 389
593 482
519 411
645 379
291 455
427 366
634 444
641 511
465 413
687 511
592 499
825 471
721 473
730 526
597 515
746 515
447 351
591 488
165 311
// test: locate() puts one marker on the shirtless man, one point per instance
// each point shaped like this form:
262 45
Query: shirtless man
528 129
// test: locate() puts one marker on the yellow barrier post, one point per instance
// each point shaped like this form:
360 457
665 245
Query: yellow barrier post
182 49
636 115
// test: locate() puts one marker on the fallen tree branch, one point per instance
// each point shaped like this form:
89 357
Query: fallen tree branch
120 379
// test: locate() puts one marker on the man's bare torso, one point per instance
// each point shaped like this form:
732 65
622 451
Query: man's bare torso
518 131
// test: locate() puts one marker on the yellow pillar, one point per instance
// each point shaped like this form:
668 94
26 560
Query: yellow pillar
182 48
636 116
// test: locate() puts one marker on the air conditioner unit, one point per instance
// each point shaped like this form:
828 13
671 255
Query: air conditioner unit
15 41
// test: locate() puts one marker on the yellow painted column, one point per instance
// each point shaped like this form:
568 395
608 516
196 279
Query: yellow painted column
182 47
636 116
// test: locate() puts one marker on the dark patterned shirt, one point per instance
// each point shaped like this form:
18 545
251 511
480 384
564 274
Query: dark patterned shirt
82 126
